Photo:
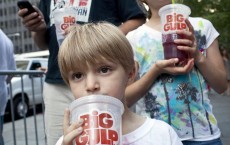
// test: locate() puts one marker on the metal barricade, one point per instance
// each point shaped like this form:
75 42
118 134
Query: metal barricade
25 98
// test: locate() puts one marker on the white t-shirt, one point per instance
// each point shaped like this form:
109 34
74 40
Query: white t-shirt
152 132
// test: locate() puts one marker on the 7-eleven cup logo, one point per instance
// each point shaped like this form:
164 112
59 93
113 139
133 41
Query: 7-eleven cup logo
83 2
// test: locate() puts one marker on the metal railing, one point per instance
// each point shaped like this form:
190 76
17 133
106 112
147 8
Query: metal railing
30 85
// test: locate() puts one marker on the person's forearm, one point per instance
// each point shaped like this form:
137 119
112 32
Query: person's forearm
212 68
131 25
40 39
138 89
216 78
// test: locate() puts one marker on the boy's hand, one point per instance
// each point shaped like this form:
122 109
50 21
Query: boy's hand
34 21
71 131
169 67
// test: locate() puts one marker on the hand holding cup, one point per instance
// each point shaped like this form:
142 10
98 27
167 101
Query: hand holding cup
173 18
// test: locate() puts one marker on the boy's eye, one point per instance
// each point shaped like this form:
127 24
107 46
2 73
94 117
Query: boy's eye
104 69
77 76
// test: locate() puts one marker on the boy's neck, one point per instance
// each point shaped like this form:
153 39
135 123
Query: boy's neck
131 121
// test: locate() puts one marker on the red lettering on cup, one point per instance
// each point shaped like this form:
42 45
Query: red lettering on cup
64 26
94 136
106 120
67 21
169 18
179 18
113 136
174 22
82 139
98 129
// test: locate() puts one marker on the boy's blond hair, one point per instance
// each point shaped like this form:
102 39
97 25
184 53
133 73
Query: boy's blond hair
92 43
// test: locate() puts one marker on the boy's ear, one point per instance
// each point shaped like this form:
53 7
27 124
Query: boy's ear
133 74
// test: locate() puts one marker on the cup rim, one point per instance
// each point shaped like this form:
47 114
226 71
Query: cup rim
171 6
100 99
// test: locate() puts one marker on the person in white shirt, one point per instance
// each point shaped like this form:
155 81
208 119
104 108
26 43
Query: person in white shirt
7 62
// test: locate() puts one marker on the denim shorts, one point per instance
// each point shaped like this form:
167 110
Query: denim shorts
211 142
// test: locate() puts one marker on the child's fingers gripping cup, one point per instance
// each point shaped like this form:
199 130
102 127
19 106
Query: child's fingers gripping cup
63 18
102 116
172 19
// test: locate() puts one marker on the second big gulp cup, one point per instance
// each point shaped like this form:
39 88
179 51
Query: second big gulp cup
63 18
102 117
172 19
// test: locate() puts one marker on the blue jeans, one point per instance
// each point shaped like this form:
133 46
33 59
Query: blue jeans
211 142
1 130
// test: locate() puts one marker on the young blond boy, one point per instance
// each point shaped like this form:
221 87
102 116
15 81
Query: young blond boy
98 59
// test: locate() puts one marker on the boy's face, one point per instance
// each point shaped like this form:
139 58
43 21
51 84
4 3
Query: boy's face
105 78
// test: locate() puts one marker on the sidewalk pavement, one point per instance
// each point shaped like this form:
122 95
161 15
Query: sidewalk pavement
20 132
221 109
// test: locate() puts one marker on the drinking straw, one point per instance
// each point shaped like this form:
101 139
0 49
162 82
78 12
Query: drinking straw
177 1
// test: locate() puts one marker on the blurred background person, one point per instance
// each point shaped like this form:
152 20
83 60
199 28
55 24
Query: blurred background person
7 62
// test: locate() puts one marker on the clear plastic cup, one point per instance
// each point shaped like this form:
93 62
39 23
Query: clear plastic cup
172 19
102 117
63 18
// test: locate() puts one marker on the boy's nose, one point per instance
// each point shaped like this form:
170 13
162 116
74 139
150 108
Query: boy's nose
92 85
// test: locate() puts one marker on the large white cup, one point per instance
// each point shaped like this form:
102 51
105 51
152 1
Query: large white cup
63 18
172 19
102 117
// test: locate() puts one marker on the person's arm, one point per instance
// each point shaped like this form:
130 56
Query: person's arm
131 15
39 39
36 24
212 68
137 90
131 25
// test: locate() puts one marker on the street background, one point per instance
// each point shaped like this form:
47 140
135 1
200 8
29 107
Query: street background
221 109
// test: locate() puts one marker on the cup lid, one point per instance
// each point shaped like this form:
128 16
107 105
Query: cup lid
181 8
96 99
